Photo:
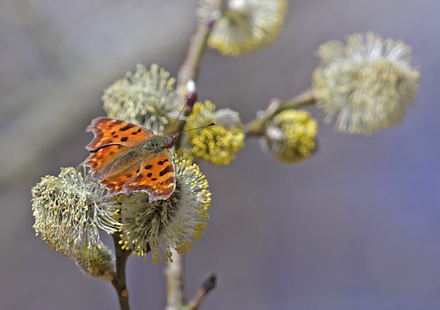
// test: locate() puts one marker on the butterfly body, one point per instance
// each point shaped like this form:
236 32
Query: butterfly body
127 158
158 143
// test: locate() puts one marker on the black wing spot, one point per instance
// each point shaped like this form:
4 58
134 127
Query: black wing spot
154 179
148 167
115 136
126 127
160 163
139 130
149 175
123 139
165 171
113 132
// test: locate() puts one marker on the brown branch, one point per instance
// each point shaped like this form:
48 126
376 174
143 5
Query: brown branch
119 278
174 271
256 127
189 69
207 286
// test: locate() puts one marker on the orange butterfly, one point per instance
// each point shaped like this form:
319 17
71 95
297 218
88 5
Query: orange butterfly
128 158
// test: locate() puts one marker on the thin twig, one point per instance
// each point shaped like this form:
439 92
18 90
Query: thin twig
190 67
256 127
119 279
207 286
174 271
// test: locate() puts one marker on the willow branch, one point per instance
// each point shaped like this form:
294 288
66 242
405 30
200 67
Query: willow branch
256 127
189 69
174 271
207 286
119 278
175 275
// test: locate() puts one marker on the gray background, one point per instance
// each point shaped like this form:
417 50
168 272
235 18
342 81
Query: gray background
354 227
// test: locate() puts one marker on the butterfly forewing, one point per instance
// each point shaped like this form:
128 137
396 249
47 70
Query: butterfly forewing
110 131
102 159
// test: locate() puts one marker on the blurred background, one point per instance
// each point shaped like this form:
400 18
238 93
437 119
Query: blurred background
354 227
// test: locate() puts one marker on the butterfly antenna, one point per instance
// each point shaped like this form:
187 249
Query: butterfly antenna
191 98
172 138
209 125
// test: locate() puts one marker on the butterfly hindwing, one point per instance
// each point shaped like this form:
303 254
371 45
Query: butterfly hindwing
115 182
156 177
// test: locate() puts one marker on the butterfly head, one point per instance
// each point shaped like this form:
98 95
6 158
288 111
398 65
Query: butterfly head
171 140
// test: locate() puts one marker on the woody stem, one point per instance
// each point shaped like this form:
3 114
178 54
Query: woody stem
256 127
174 270
119 276
190 67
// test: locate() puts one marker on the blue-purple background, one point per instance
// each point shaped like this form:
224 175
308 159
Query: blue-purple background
355 227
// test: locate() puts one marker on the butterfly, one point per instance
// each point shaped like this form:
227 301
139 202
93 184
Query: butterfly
126 158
